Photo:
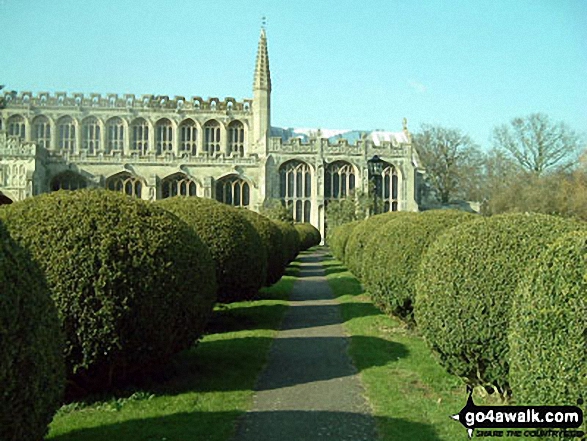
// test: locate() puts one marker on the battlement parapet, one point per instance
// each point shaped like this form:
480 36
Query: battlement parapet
13 147
340 147
150 158
126 101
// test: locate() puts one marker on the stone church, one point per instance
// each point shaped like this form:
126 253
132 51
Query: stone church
154 147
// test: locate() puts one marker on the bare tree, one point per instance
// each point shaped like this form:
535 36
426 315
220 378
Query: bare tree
537 143
451 159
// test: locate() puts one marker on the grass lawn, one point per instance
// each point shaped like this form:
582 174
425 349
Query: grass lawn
205 389
411 395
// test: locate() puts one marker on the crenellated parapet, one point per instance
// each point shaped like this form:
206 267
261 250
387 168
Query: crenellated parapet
79 101
168 158
363 147
12 147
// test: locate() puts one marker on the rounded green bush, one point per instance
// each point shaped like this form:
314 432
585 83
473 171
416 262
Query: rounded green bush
465 286
361 234
548 330
392 257
272 238
309 235
235 246
291 240
132 283
339 237
32 370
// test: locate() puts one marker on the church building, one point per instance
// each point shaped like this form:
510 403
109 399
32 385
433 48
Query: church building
154 147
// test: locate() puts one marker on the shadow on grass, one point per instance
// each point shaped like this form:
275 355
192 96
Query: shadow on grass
199 370
244 318
210 426
254 426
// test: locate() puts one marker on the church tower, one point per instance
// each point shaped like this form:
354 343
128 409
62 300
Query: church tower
262 97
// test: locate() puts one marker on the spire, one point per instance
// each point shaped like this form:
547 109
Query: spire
262 74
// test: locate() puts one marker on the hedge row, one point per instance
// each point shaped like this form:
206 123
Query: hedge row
339 237
114 287
31 344
548 330
482 291
240 258
469 278
309 235
392 257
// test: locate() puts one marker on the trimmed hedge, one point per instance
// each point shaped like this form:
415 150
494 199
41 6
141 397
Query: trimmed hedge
132 283
548 331
291 241
363 233
32 370
392 257
309 235
465 287
339 238
272 238
234 244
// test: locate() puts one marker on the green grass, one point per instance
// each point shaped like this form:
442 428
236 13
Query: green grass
203 391
411 395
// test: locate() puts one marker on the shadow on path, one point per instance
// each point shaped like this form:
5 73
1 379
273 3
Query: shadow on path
235 355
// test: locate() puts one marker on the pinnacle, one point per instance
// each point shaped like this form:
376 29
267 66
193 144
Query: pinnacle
262 74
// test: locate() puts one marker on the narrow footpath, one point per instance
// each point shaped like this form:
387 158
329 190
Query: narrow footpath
309 389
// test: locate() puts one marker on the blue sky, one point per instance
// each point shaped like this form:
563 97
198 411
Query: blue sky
335 64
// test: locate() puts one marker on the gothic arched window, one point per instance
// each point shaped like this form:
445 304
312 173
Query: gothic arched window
188 136
125 183
66 134
296 189
387 187
114 135
68 181
91 135
163 136
339 180
16 126
232 190
42 131
139 136
236 138
178 184
212 137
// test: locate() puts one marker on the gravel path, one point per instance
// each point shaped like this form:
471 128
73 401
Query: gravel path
309 389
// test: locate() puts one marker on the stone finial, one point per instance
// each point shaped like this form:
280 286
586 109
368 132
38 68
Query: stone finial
405 124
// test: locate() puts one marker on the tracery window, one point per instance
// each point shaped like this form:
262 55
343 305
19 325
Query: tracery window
296 189
339 180
212 137
178 184
139 136
16 126
233 190
66 134
114 135
91 135
386 189
125 183
163 136
188 136
42 131
390 188
236 138
68 181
